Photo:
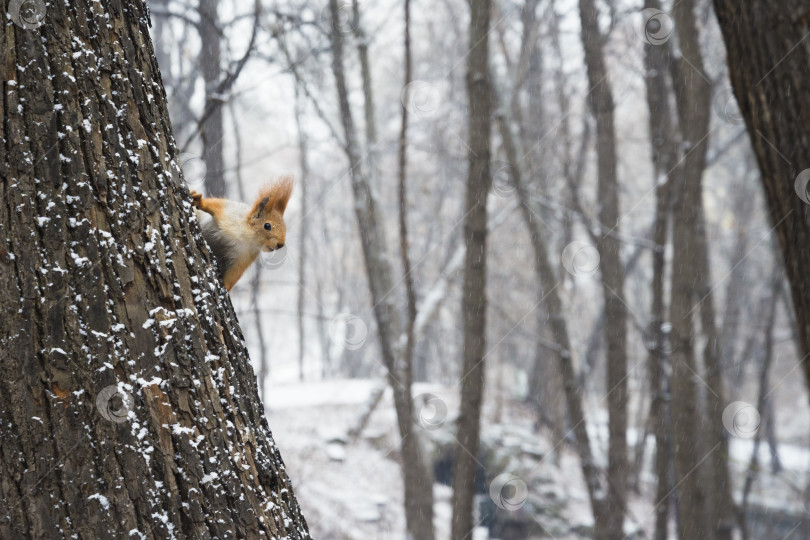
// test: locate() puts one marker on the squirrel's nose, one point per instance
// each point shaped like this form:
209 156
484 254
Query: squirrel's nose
280 245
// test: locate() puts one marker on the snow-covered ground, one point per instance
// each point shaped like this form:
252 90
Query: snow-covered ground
346 490
353 490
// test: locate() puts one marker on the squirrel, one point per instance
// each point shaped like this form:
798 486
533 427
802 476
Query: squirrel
236 233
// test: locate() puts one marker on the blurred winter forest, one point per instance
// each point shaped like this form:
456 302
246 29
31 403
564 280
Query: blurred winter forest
641 368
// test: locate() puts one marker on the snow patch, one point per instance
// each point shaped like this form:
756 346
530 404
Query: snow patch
105 503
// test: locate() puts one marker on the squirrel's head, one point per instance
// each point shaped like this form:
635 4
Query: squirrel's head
266 218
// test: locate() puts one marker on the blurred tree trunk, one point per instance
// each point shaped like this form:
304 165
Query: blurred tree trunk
721 504
693 100
665 159
768 56
303 226
402 199
368 94
768 305
172 71
611 523
161 30
127 404
744 202
693 93
212 123
558 326
416 475
179 75
256 281
545 382
473 301
550 312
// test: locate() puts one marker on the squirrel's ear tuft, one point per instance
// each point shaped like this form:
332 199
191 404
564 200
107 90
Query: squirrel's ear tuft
274 196
280 193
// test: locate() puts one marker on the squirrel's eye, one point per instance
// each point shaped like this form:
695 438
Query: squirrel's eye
267 227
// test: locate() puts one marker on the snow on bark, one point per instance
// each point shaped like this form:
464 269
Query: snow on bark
128 405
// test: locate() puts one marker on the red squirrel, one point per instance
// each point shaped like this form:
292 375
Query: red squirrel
237 233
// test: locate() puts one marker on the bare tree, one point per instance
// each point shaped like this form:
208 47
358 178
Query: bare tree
474 298
769 306
212 127
693 94
417 477
303 150
368 94
402 195
665 153
551 298
545 384
610 523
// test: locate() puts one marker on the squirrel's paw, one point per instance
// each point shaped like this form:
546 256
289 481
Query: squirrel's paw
196 198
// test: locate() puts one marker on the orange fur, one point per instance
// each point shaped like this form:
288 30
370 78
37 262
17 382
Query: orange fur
274 196
236 238
215 207
233 273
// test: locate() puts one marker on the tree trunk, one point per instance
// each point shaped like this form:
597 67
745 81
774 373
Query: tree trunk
744 203
212 124
552 300
473 303
402 200
692 93
303 225
545 383
665 158
417 477
768 55
611 523
767 306
162 31
368 95
721 507
693 105
693 99
128 405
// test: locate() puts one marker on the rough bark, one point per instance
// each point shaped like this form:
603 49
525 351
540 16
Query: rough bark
417 477
768 53
610 523
128 405
473 303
